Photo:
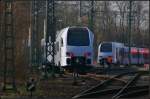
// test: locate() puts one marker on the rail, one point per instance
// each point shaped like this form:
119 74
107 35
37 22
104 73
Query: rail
119 91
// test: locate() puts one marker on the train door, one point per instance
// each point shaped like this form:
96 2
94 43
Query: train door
117 56
126 56
57 59
141 58
138 56
121 53
62 53
114 53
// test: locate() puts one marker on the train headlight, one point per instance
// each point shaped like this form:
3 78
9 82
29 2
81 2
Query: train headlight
69 54
109 59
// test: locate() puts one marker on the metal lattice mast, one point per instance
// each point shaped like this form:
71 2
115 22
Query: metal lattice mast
50 33
87 9
130 27
9 57
1 15
81 11
91 25
34 34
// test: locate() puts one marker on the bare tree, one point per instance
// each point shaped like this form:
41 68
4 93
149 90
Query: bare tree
122 7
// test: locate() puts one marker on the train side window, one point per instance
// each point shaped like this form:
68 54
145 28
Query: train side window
121 51
57 46
55 50
62 43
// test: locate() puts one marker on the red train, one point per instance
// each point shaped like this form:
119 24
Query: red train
120 54
138 56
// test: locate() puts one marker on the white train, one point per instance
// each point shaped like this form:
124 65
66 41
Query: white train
119 54
74 45
109 49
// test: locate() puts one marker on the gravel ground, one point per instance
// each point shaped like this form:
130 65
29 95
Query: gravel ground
63 87
60 87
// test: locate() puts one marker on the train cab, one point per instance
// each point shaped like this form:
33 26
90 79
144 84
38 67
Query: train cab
74 45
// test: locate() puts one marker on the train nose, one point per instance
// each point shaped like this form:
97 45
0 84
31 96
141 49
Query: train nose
78 60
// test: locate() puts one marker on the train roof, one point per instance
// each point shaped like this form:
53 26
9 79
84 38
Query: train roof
144 50
77 27
74 27
136 50
111 42
59 32
118 43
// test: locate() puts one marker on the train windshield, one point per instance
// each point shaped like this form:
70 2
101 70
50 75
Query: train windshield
78 37
106 47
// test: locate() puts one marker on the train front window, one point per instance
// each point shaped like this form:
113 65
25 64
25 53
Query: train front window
106 47
78 37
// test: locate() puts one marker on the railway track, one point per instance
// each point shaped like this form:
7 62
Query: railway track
106 88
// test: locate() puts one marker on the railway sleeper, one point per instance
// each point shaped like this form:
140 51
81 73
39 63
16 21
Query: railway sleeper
111 91
125 88
135 93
